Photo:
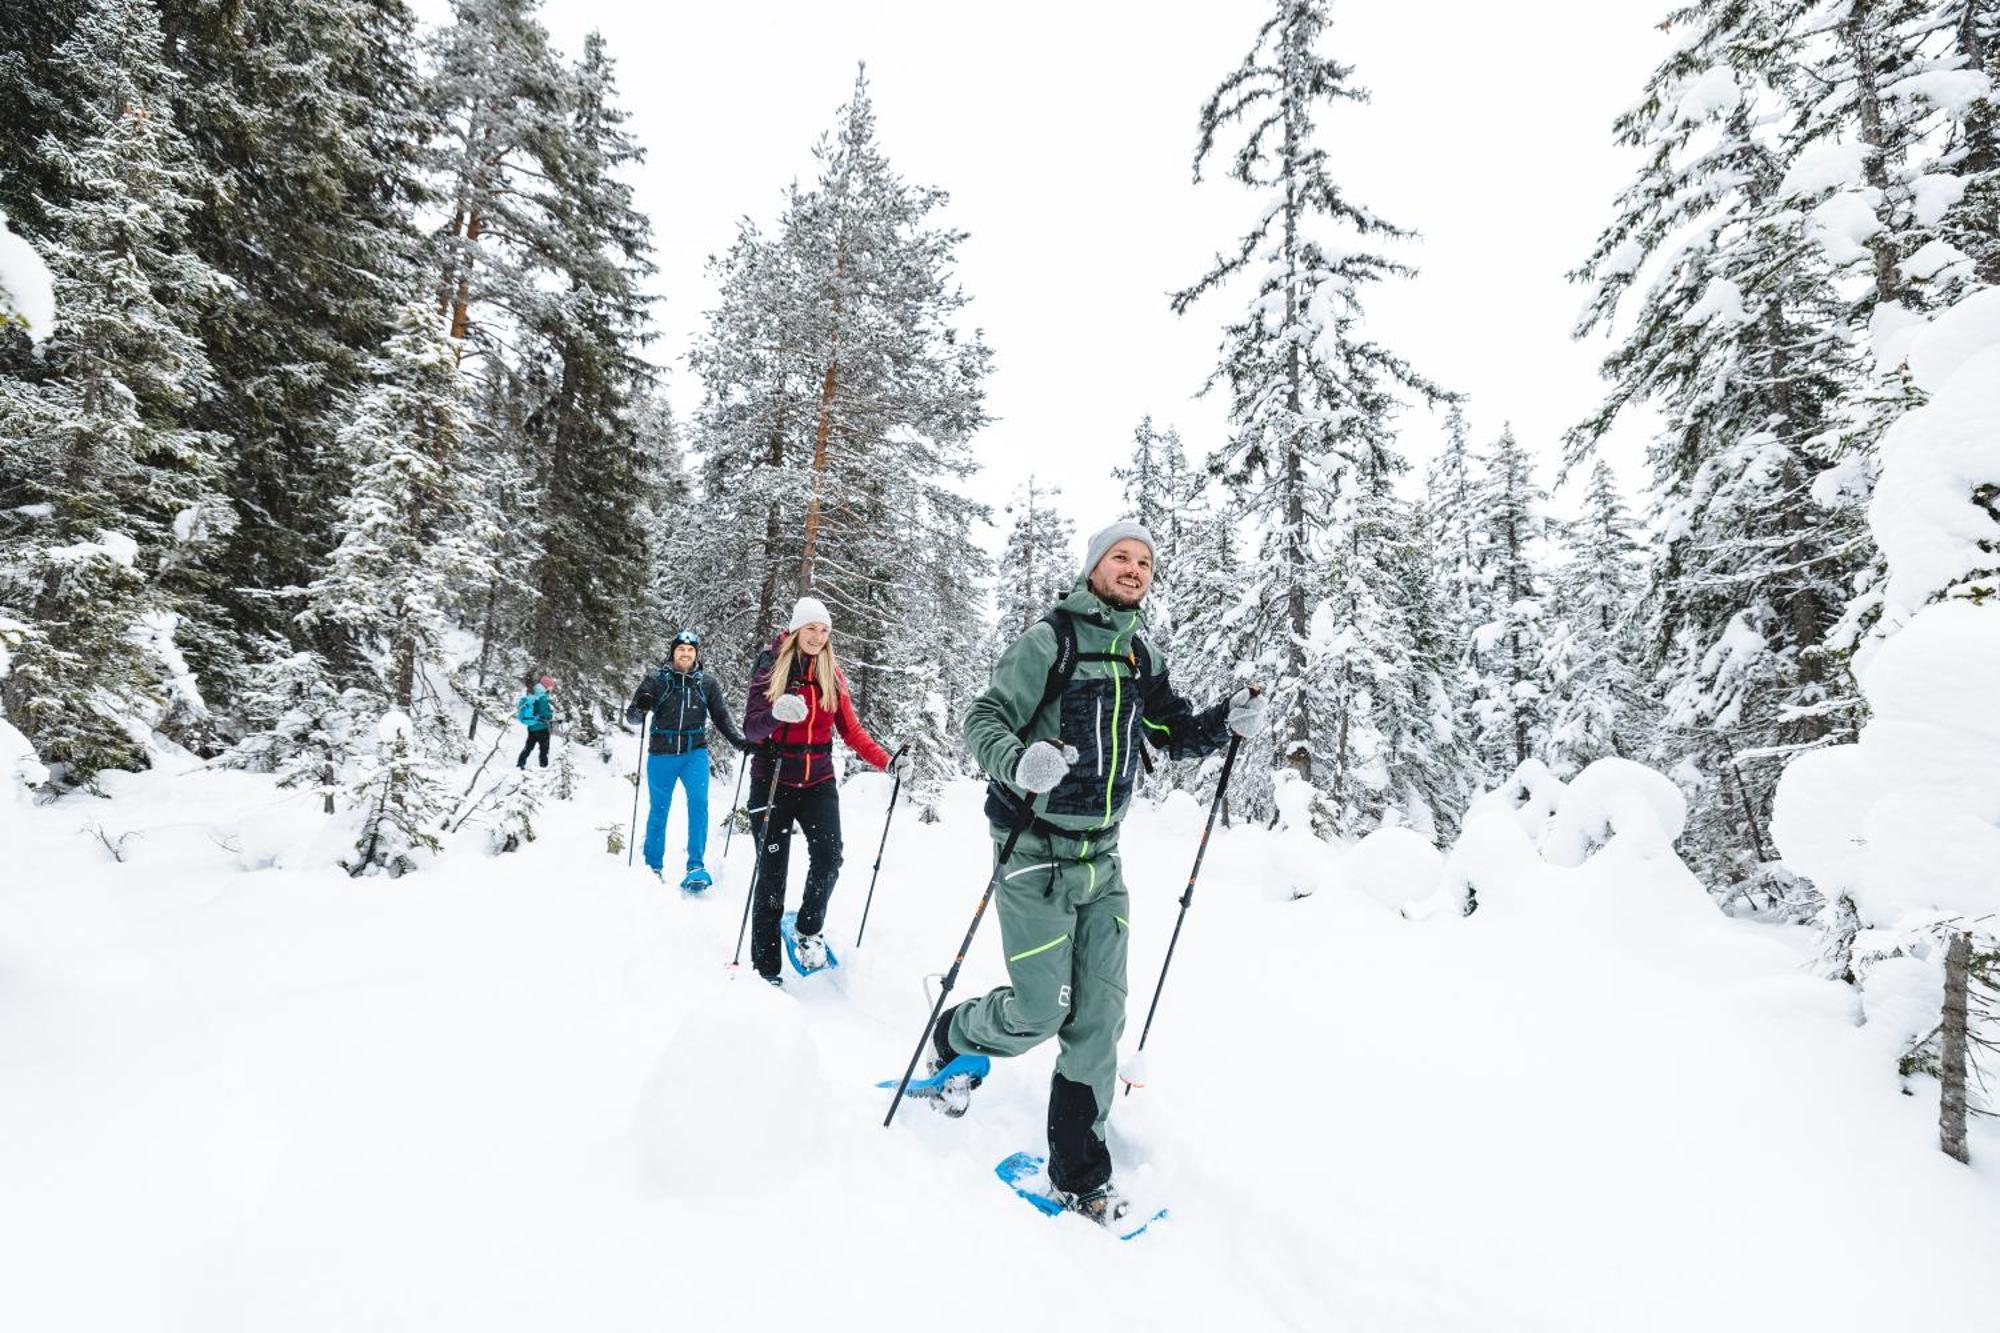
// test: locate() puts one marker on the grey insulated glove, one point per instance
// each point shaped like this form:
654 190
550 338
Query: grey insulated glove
1043 765
788 708
1246 713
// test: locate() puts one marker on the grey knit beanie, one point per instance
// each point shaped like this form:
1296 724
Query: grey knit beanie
1110 537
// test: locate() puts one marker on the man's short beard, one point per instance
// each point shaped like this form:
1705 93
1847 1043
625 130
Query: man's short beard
1113 597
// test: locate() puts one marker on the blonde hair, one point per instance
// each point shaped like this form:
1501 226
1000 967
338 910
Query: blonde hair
826 669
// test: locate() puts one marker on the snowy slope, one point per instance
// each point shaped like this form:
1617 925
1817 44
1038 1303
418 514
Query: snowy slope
523 1092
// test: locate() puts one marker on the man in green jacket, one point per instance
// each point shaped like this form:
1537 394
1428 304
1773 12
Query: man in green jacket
1062 901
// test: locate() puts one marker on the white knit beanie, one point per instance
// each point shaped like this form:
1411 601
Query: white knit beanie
809 611
1110 537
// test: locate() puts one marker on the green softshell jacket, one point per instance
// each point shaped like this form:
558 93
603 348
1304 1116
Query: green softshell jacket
1105 711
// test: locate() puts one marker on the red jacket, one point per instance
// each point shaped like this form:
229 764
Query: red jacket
805 749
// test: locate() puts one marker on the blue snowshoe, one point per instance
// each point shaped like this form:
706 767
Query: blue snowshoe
1027 1175
808 953
697 879
948 1087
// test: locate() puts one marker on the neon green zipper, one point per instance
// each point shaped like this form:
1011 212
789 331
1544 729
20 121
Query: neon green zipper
1117 700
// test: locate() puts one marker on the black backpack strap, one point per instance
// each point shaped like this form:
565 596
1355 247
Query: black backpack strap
1060 670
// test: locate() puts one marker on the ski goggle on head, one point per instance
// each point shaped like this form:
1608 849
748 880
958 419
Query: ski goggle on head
689 637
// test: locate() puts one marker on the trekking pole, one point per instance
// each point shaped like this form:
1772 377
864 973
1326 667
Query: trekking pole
742 766
951 977
1187 897
894 792
757 866
638 780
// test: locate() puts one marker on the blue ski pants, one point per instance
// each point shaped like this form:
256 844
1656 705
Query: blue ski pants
662 772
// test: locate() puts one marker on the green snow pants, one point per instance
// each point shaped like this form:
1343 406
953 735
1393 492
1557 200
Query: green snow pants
1063 926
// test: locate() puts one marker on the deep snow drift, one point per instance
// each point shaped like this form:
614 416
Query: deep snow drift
239 1090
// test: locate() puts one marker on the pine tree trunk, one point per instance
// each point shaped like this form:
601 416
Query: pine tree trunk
1750 813
461 302
403 646
1868 101
823 431
1953 1048
1981 125
1300 737
767 590
485 653
403 672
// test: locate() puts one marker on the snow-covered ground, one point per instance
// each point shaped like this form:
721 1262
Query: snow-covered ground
524 1092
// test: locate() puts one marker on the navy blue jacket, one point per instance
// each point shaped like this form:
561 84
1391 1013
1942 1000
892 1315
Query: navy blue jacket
682 704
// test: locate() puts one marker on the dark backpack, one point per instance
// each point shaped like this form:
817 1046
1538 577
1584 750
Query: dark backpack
663 687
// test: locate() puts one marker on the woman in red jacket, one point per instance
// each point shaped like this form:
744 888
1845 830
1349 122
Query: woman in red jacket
798 699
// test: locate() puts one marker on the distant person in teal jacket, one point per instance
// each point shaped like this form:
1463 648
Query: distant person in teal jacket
537 712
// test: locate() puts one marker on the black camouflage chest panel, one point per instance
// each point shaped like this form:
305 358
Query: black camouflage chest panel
1101 716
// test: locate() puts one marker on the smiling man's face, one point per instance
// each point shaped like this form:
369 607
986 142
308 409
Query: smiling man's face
1125 574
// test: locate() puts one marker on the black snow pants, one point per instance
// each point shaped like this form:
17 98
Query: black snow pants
816 810
535 738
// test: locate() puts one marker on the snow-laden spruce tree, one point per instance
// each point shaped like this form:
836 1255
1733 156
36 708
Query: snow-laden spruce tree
1734 336
1449 521
1452 526
1900 831
27 293
411 531
542 262
1888 121
499 100
1038 562
1312 459
1217 632
304 120
401 802
1167 493
1510 689
895 386
584 449
1883 91
111 502
669 524
840 398
303 729
1972 224
1383 657
745 546
45 103
1596 705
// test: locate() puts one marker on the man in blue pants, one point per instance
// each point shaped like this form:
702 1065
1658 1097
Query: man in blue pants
681 700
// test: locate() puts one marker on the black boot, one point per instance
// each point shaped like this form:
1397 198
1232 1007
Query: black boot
1103 1205
941 1040
955 1097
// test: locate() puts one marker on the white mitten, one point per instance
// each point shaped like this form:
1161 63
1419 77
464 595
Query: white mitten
1246 713
1043 765
789 708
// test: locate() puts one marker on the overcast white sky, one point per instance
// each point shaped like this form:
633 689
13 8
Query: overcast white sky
1064 133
